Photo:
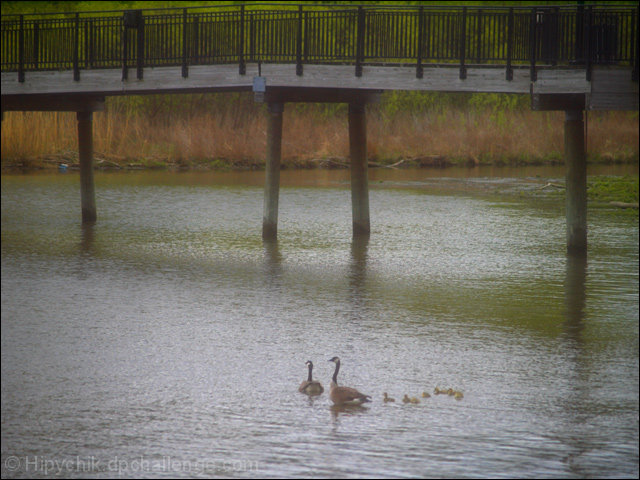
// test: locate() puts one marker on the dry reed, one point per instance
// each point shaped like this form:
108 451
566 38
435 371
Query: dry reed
238 137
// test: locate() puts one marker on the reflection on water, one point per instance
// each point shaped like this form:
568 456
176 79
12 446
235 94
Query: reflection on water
88 236
348 410
575 296
172 343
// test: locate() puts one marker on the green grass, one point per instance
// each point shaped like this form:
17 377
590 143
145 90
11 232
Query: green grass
612 189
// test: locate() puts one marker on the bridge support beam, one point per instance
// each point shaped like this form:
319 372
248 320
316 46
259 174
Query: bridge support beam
359 180
576 182
85 154
272 171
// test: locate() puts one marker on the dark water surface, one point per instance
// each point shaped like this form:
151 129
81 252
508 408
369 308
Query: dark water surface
169 341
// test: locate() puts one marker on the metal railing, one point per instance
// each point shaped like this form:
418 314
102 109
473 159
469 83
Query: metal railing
417 36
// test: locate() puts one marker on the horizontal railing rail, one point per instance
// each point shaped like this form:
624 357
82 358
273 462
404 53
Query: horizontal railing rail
416 36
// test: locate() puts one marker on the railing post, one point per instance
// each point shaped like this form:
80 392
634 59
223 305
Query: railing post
90 43
587 32
634 74
125 71
510 44
419 69
21 50
305 45
555 37
359 41
140 53
299 43
579 40
479 37
185 66
463 41
251 49
242 68
86 43
195 56
533 76
36 40
76 47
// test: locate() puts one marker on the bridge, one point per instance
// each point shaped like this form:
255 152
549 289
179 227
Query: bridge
571 58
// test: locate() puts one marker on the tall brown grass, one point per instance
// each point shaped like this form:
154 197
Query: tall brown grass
237 136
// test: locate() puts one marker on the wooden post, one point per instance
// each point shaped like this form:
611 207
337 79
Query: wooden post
576 182
85 154
359 182
272 171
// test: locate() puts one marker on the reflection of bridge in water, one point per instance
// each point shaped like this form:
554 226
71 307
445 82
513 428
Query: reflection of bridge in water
572 58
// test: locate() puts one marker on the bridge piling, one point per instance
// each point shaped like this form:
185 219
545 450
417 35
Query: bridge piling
359 180
576 182
85 154
272 171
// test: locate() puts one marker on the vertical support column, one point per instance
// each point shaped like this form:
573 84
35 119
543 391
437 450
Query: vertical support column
85 154
272 171
576 182
359 181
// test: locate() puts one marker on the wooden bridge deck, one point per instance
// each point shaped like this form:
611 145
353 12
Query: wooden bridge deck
609 89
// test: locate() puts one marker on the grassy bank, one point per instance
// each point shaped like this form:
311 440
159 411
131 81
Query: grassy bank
227 131
617 194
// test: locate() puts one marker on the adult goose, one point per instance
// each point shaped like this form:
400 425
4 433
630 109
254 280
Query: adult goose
310 386
344 395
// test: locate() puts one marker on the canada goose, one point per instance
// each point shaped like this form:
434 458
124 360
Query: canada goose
425 395
386 398
310 386
406 399
344 395
458 395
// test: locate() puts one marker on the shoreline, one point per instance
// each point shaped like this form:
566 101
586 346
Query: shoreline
102 162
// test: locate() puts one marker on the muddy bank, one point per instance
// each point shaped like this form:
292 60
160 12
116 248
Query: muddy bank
111 162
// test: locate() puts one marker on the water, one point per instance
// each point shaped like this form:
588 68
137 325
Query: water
169 341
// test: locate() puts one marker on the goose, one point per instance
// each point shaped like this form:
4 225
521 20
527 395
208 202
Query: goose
344 395
310 386
386 398
406 399
426 395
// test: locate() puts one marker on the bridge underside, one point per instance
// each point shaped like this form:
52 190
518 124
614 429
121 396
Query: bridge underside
609 88
554 89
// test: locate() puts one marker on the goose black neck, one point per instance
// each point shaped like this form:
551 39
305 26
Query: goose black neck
310 368
335 373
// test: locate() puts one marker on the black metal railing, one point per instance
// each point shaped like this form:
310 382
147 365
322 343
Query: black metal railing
416 36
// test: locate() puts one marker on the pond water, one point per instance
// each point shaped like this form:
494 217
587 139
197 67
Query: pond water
168 340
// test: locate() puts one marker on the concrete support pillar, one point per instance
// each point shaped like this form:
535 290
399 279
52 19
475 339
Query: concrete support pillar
272 171
85 154
359 181
576 182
